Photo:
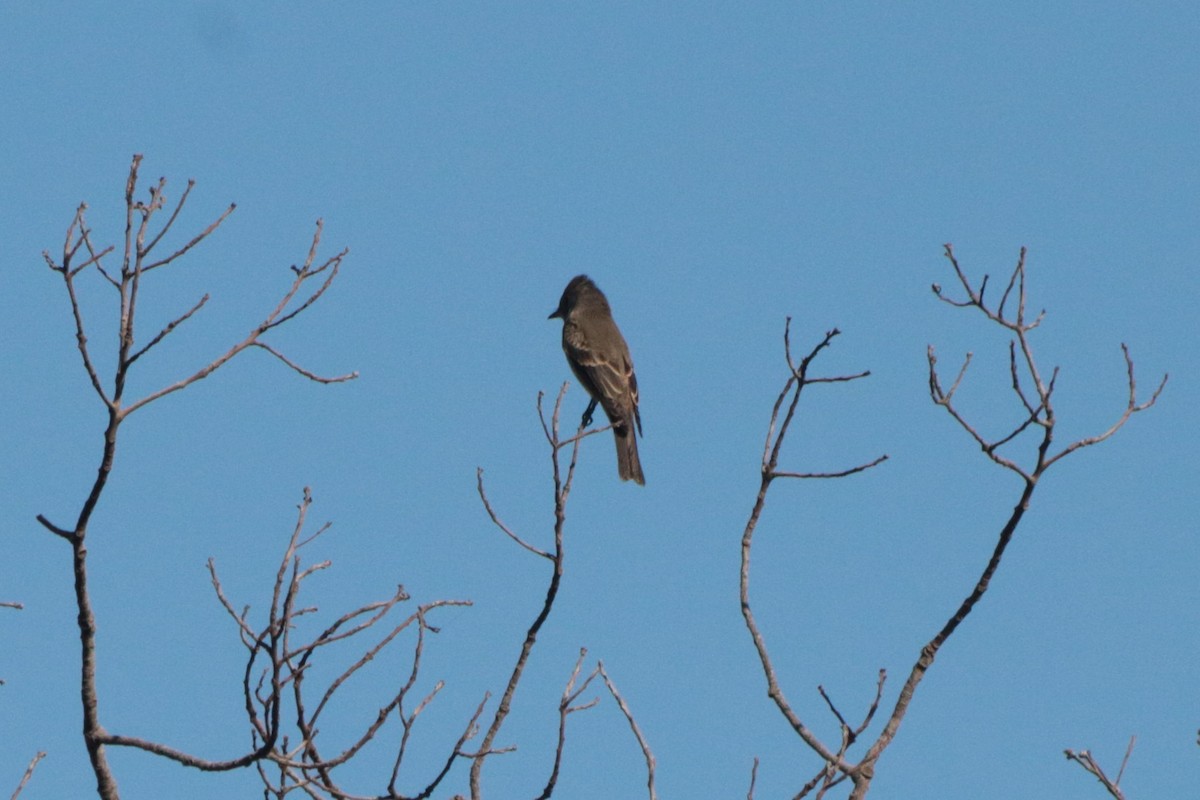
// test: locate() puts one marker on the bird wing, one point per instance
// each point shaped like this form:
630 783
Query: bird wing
608 377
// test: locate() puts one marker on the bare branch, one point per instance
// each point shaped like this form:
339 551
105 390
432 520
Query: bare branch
943 399
1131 408
1085 759
68 274
1016 381
499 524
304 273
582 434
28 774
777 430
1037 415
874 704
562 490
334 632
828 702
174 215
565 708
542 416
408 721
963 371
93 257
268 644
186 759
840 378
170 327
276 318
195 239
57 531
297 368
1040 414
240 619
637 732
1125 760
841 474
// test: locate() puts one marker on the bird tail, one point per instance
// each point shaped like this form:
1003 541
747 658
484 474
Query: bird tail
629 466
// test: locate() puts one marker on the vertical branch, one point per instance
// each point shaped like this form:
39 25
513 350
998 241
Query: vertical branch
777 431
566 707
128 283
563 481
562 489
1035 416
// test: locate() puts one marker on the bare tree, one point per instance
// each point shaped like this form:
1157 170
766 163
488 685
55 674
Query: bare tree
1034 395
282 644
284 702
265 687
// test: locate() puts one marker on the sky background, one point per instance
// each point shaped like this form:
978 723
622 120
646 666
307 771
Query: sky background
715 169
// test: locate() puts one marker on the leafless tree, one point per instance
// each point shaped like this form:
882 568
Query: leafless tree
287 636
276 663
284 641
1034 395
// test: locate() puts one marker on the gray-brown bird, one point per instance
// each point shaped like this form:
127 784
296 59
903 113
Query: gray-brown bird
600 359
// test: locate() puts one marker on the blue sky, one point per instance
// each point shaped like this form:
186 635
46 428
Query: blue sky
714 169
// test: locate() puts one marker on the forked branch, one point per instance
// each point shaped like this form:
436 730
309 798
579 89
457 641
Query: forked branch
782 414
276 677
575 687
1086 760
562 490
1036 415
1035 398
125 276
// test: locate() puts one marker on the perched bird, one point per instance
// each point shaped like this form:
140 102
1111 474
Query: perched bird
599 357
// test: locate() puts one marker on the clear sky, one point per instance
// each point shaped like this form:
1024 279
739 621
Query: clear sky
715 168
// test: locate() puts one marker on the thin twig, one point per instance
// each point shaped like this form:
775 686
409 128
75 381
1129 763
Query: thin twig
167 330
28 774
195 239
566 707
499 524
312 376
637 732
1125 760
840 474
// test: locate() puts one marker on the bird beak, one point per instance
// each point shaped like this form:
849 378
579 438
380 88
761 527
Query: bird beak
555 314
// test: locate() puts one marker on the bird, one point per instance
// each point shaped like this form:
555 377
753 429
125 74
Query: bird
599 357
